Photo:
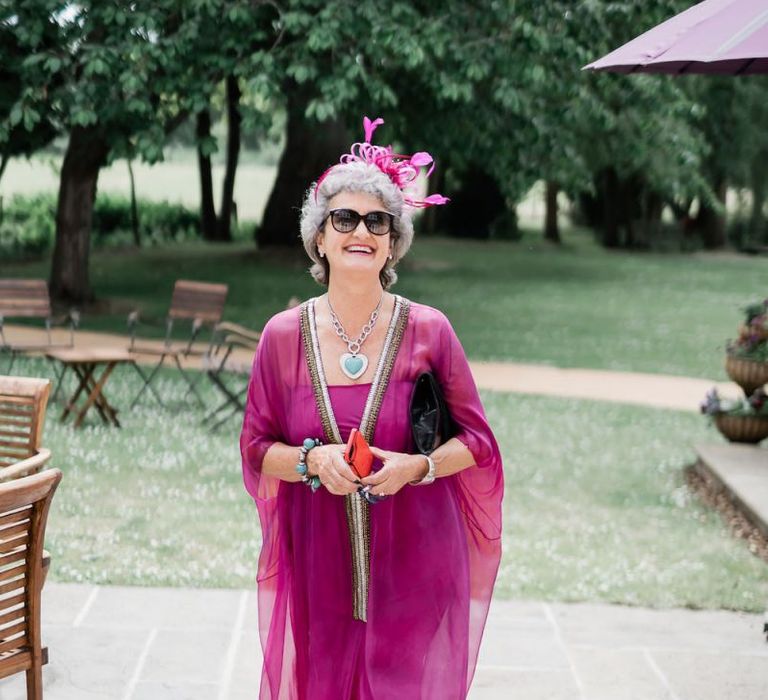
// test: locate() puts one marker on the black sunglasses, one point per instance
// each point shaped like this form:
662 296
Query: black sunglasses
379 223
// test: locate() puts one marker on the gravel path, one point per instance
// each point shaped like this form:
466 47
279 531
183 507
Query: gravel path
655 390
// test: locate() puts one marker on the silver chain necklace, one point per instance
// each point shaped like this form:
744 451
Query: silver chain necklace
354 363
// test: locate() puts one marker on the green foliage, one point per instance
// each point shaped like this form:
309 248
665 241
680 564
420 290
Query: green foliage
23 129
27 227
130 71
160 222
495 84
754 405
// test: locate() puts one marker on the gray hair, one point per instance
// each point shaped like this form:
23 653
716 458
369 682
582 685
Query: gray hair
357 176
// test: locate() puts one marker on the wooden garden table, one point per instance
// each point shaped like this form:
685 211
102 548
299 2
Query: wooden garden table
92 367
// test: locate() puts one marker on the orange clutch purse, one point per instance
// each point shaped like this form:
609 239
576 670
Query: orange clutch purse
358 455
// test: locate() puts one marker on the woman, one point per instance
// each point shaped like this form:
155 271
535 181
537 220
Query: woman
377 588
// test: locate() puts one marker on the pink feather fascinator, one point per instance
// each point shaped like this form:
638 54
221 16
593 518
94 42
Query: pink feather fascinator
401 169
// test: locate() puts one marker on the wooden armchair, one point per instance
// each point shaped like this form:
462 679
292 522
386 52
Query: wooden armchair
29 298
199 303
24 505
23 401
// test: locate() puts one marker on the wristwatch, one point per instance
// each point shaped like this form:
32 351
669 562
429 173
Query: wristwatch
430 475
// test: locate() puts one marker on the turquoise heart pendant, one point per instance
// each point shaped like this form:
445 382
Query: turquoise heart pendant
353 366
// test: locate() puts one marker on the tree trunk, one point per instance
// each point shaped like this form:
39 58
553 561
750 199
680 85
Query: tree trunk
475 205
207 206
310 148
652 210
710 223
134 207
86 154
611 216
3 164
234 118
551 228
759 191
428 218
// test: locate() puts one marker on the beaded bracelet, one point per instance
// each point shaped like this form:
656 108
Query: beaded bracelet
312 481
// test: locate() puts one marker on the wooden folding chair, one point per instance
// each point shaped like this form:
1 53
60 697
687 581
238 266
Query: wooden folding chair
24 505
223 361
23 401
29 299
201 304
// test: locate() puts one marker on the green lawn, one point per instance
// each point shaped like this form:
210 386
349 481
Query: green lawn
576 306
601 513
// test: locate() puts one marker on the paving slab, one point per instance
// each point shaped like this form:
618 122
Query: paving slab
66 604
182 656
175 691
522 642
167 608
715 676
742 471
627 627
84 663
503 684
181 644
246 667
615 674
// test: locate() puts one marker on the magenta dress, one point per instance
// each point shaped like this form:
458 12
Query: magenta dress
434 550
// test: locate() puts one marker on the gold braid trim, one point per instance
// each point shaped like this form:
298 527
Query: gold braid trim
312 360
357 508
389 363
360 509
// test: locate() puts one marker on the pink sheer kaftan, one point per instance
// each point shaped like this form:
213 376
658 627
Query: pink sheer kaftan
434 550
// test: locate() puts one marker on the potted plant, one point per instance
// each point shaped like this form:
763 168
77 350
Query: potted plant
747 358
739 420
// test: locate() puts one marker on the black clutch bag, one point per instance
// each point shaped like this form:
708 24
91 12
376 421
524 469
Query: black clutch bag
431 421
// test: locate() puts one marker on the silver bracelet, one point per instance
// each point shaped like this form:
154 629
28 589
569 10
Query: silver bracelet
430 475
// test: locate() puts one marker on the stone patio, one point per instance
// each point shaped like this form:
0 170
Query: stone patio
175 644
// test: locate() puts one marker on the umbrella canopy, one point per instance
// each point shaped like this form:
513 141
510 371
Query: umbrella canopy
716 36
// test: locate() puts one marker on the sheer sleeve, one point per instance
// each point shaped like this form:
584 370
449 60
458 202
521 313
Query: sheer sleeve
480 487
261 429
261 425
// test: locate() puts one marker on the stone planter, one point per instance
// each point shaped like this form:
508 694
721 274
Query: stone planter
748 374
751 429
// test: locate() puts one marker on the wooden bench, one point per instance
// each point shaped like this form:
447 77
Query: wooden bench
29 299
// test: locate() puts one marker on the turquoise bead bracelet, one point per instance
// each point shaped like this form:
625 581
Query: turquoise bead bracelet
312 481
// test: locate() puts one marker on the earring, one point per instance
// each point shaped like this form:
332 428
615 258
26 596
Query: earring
390 256
321 253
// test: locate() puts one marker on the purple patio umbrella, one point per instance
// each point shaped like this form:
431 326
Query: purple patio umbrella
716 36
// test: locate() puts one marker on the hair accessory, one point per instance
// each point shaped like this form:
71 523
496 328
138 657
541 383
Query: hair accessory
301 467
401 169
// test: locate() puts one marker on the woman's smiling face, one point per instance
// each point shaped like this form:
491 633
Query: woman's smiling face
358 252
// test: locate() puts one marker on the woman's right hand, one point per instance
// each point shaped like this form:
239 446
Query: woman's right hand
327 462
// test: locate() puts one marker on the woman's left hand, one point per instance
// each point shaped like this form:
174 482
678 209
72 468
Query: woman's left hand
398 469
